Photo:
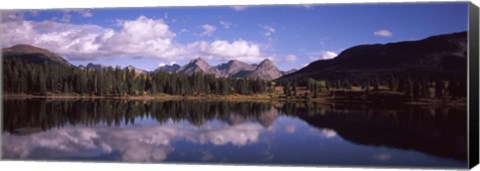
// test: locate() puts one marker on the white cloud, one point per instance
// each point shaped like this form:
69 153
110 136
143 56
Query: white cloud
143 37
85 13
67 14
329 55
165 15
291 58
238 7
307 6
11 16
208 30
161 64
223 50
33 13
268 30
66 17
383 33
225 24
322 55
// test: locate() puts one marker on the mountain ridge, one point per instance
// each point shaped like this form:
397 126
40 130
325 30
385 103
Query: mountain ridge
232 69
32 54
443 55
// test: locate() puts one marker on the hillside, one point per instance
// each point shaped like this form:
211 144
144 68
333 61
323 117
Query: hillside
32 54
442 56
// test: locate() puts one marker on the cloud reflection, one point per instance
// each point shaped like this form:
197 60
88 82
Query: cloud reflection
137 144
382 157
328 133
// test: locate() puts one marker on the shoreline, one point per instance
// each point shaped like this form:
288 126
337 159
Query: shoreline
254 98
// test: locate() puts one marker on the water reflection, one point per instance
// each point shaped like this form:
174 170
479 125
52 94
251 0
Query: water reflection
42 114
140 144
437 131
242 132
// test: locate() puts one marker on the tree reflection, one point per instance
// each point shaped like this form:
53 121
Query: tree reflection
44 114
438 131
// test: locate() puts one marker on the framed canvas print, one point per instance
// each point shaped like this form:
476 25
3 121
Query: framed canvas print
334 85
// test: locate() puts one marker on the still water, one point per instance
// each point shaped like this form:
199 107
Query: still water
234 133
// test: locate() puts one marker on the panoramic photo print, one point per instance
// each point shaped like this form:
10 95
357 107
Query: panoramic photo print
381 85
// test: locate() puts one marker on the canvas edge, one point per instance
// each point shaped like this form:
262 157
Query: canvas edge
473 88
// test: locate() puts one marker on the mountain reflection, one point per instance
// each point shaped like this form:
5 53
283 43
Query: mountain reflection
85 129
437 131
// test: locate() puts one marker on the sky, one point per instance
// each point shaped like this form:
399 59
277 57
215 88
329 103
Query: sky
289 35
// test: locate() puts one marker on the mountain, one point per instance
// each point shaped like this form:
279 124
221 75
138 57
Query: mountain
137 71
198 65
168 68
234 67
436 56
32 54
265 70
289 71
91 66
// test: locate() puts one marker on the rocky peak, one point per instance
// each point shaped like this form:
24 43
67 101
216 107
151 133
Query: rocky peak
137 71
198 65
266 62
168 68
266 70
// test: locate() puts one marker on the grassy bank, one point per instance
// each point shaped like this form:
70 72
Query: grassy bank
324 97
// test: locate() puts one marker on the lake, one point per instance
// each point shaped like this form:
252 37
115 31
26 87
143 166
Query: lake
206 132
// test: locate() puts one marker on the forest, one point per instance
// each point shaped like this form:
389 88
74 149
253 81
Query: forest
40 79
46 79
399 87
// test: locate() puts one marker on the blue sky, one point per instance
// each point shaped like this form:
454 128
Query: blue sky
291 36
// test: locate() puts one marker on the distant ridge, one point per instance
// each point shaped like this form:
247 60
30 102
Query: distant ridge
32 54
266 70
198 65
232 69
168 68
437 56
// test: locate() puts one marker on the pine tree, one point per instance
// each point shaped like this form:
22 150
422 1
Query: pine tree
315 90
42 84
439 86
65 87
286 89
295 89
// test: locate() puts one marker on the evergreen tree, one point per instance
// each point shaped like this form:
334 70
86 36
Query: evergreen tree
286 89
42 84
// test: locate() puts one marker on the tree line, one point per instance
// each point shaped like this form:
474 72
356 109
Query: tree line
41 79
413 88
